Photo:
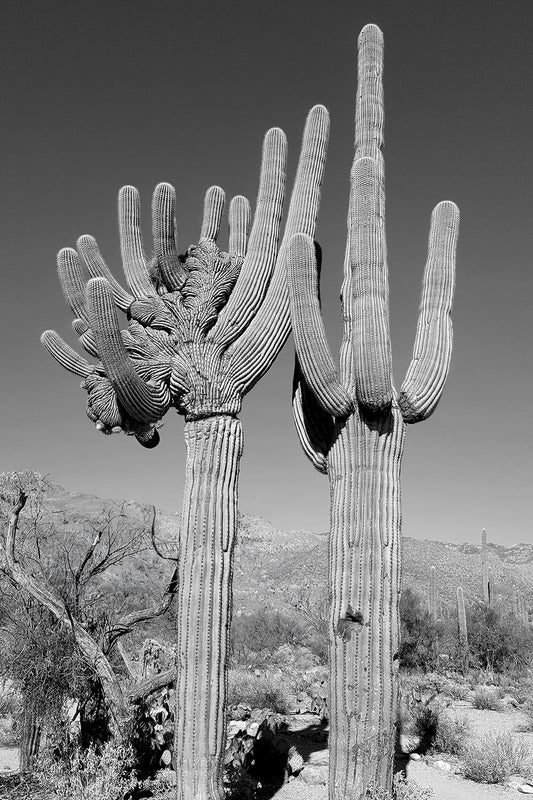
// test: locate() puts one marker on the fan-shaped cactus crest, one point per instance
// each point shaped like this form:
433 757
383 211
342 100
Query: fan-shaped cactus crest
202 328
351 423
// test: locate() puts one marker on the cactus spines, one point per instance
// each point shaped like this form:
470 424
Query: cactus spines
202 329
433 594
461 615
351 424
485 568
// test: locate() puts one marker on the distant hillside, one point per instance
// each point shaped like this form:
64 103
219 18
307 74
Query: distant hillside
273 565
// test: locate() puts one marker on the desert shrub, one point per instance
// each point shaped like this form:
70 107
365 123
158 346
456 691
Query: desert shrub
402 790
486 698
418 633
257 691
452 733
497 640
263 631
495 757
92 774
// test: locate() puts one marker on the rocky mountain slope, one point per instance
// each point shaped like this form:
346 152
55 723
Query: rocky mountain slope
276 568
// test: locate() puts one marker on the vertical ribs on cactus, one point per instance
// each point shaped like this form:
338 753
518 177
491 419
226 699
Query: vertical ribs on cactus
202 329
351 423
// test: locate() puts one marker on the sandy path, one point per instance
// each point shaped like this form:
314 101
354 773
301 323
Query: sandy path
9 760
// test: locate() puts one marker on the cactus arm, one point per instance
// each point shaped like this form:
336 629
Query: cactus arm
427 373
134 260
260 258
92 258
213 207
65 355
313 426
253 354
86 337
366 306
73 278
369 114
141 401
308 329
239 226
164 234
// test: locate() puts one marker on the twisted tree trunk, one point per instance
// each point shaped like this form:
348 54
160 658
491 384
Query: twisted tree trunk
209 525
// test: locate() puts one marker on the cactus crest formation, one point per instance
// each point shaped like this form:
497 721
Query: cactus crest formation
201 328
351 424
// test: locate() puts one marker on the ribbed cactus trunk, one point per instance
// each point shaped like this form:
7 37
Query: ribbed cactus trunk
209 524
30 741
364 575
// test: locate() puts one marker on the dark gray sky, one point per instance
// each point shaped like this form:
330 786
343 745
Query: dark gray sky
103 93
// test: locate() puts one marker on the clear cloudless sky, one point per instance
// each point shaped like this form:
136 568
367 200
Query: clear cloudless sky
95 95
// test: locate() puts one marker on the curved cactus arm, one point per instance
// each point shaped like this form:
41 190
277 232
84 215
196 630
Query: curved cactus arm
73 278
253 353
214 201
308 329
367 304
65 355
164 230
141 401
260 259
89 252
239 225
369 114
313 425
86 337
427 373
134 259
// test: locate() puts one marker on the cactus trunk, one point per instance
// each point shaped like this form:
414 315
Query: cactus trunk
30 741
208 528
364 570
485 568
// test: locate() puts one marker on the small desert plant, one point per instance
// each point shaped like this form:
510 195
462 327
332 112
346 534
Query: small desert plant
486 699
261 633
457 691
402 790
452 733
495 757
257 691
92 774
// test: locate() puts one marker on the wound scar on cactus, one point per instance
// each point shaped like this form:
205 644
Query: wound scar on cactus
348 623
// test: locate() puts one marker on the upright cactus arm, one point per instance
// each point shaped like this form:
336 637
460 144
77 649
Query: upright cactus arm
369 113
164 231
366 306
254 352
239 226
313 425
427 373
214 202
262 248
310 339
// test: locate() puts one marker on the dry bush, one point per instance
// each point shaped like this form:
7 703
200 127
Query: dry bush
452 734
495 757
257 691
402 790
486 699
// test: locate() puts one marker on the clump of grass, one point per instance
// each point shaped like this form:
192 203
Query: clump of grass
486 699
452 733
495 757
402 790
257 691
457 691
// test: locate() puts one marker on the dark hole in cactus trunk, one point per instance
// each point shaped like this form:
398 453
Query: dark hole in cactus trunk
346 624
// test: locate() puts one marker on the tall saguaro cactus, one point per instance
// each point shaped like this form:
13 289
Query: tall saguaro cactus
461 616
202 329
351 425
433 594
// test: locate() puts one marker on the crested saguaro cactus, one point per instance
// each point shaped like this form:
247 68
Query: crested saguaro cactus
202 329
352 427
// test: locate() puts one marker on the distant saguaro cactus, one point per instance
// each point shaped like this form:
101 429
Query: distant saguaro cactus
461 614
203 328
485 568
353 427
433 593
